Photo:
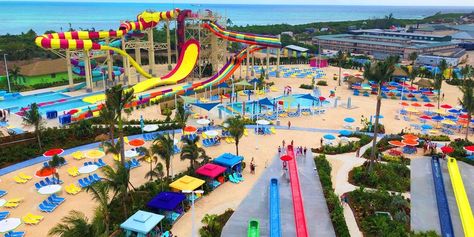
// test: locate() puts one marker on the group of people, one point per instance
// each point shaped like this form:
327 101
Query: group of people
4 113
301 151
429 146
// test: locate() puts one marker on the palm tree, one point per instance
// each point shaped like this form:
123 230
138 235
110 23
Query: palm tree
192 152
236 129
149 157
163 146
107 114
340 59
181 116
33 118
118 98
467 101
412 72
413 57
15 73
439 77
100 194
76 224
55 162
467 71
212 226
119 181
379 72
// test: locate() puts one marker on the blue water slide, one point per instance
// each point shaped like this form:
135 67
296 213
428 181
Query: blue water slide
441 200
275 225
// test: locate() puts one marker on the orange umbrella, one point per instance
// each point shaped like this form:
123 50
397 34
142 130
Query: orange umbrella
410 142
416 105
136 142
396 143
410 137
404 104
190 129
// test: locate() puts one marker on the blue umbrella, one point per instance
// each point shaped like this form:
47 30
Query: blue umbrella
345 133
437 118
454 111
450 117
426 126
392 83
380 116
349 120
329 137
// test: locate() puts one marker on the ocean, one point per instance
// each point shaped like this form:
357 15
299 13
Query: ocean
17 17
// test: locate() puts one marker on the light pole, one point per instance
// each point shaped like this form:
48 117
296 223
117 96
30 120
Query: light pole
6 71
193 192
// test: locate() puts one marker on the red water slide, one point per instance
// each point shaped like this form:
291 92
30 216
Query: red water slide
298 207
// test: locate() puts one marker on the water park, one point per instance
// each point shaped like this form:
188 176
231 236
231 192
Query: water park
221 138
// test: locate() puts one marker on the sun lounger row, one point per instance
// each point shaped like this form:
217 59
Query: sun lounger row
176 149
46 164
188 137
13 203
51 203
72 189
15 234
47 181
22 178
236 178
149 136
89 180
210 142
31 219
225 133
131 164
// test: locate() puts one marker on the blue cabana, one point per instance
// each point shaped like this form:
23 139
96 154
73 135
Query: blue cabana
206 106
309 97
265 101
141 223
223 85
230 161
169 204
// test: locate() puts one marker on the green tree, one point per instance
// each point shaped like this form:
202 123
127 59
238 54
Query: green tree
413 57
15 74
55 162
412 73
33 118
439 77
379 72
212 226
467 101
149 157
108 117
76 224
181 116
163 146
236 129
118 181
100 194
467 71
341 58
192 152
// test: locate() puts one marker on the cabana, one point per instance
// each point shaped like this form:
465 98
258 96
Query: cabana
141 224
233 163
212 171
169 204
187 183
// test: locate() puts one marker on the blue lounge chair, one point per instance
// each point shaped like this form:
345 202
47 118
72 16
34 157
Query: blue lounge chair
43 183
91 179
52 201
4 214
96 177
45 164
44 208
56 199
135 162
48 181
56 181
15 234
83 183
49 204
3 193
102 163
38 186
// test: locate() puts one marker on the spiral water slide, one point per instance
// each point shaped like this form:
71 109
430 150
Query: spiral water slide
246 38
83 40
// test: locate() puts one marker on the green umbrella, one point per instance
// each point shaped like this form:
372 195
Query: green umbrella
243 83
188 99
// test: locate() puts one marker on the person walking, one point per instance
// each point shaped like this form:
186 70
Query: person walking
252 166
304 151
289 124
358 152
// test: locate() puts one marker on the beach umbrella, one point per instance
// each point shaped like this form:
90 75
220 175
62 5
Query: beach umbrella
286 158
448 122
450 117
329 137
9 224
447 149
469 148
412 110
440 111
203 121
463 116
454 111
392 83
322 98
433 132
131 153
429 105
349 120
426 127
150 128
412 88
428 93
262 122
396 143
53 152
345 133
94 154
380 116
404 104
189 129
416 105
136 142
410 137
446 106
426 117
410 142
211 133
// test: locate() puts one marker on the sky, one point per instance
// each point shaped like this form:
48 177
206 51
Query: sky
309 2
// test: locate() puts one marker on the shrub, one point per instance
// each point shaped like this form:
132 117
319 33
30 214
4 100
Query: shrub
307 87
351 146
391 176
322 83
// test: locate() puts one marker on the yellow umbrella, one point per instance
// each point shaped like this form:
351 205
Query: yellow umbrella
434 132
412 110
440 111
95 154
448 122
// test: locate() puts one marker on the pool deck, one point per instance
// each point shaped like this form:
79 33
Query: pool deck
256 205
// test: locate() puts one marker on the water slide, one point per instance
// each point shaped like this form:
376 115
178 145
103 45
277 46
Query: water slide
275 225
462 200
441 200
298 206
253 229
246 38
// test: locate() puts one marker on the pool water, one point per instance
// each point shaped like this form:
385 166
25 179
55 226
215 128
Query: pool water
64 106
15 104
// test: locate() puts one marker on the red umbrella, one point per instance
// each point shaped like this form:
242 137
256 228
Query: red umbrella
286 158
396 143
469 148
53 152
446 106
404 104
410 137
411 88
321 98
136 142
416 105
464 116
429 105
425 117
428 93
447 149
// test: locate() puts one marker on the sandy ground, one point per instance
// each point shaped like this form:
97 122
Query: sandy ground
228 195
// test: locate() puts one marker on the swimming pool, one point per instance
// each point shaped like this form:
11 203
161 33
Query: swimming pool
63 106
15 104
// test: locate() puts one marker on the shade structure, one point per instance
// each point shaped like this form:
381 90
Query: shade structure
437 118
428 105
188 99
425 117
136 142
223 85
404 104
190 129
349 120
9 224
410 142
131 153
446 106
203 121
416 105
150 128
410 137
211 170
448 122
329 137
228 160
53 152
142 222
243 83
167 201
426 126
94 154
447 149
396 143
265 101
253 81
263 122
309 97
469 148
286 158
412 110
345 133
288 99
206 106
211 133
187 183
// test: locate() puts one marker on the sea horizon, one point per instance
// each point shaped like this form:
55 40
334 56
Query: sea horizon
21 16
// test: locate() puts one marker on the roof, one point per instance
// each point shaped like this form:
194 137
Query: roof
379 31
228 160
344 38
142 222
211 170
166 201
187 183
465 35
44 67
296 48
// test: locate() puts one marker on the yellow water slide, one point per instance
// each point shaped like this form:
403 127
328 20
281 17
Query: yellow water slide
465 211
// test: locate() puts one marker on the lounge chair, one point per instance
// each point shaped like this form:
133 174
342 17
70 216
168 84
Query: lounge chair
45 208
3 193
30 221
71 171
15 234
101 162
24 176
84 183
19 180
4 214
49 181
233 180
96 177
91 179
11 204
238 177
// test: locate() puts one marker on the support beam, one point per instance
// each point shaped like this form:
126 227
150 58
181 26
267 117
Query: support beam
268 63
168 44
252 71
110 64
69 68
248 64
87 68
278 62
151 51
125 63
